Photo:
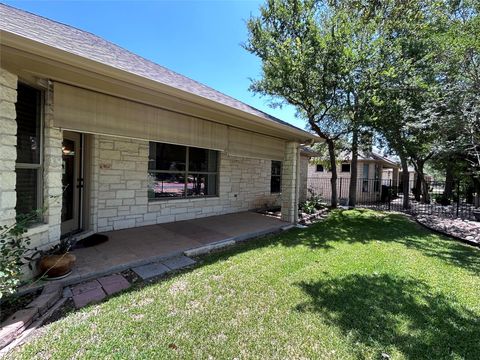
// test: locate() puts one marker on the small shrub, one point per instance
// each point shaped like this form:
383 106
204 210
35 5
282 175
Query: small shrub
442 199
312 204
14 246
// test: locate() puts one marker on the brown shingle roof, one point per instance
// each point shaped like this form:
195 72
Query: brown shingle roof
90 46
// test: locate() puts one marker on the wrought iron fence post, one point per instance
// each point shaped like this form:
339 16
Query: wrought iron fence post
389 194
458 196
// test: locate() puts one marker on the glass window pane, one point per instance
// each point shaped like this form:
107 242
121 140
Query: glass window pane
345 168
28 125
68 180
27 200
201 184
365 171
167 157
276 168
166 185
276 178
202 160
275 184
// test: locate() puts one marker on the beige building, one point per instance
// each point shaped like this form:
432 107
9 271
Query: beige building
102 139
373 171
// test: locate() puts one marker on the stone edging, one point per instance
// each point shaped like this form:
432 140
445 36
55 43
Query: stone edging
17 323
453 237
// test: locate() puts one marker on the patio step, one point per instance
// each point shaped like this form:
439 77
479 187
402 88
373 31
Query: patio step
160 268
150 271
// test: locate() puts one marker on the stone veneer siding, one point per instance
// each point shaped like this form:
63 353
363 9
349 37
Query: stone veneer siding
290 185
117 180
8 142
46 233
120 198
304 161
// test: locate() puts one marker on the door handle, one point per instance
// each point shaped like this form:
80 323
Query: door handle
80 183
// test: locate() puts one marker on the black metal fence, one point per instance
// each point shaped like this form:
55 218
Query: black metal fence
440 198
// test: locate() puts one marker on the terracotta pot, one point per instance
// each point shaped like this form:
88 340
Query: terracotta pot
56 265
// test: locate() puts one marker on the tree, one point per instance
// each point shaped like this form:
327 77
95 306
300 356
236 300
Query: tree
407 79
316 55
298 45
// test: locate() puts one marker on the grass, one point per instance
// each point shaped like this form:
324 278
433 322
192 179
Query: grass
354 286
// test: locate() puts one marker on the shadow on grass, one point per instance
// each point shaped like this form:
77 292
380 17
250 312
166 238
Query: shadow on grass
364 226
384 312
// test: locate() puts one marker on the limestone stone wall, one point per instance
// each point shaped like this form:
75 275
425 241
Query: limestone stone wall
290 185
303 178
120 198
8 142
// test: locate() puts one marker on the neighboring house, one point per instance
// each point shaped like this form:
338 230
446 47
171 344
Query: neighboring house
371 175
305 155
103 139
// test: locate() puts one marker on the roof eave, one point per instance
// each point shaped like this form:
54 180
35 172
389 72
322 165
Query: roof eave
52 53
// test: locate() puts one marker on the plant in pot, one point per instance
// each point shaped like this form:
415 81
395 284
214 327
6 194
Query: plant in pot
56 262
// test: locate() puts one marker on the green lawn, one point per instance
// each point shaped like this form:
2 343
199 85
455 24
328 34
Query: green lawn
354 286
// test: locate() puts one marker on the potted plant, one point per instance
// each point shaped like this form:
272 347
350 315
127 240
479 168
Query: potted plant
56 262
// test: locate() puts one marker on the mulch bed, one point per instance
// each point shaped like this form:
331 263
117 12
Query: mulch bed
464 230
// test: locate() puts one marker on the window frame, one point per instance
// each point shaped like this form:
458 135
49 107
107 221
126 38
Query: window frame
365 185
186 173
276 176
39 167
349 168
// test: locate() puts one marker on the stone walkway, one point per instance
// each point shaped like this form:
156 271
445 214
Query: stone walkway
98 289
155 269
463 229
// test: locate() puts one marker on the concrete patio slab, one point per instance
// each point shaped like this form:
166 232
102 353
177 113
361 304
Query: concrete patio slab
131 248
178 262
150 271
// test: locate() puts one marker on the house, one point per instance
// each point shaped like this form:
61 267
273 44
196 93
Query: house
306 154
103 139
373 171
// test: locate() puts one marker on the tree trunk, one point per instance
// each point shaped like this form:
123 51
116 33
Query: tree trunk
449 185
418 185
352 191
333 165
405 180
421 187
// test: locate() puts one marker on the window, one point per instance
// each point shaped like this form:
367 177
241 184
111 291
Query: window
179 171
376 184
28 167
276 178
345 168
365 178
319 168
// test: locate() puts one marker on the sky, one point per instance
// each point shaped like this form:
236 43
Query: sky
199 39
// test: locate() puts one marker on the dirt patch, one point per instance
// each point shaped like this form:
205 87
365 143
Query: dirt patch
12 304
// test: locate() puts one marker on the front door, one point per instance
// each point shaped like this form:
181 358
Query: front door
72 182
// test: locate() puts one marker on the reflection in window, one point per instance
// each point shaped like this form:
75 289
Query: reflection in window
179 171
29 162
276 177
345 168
365 178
